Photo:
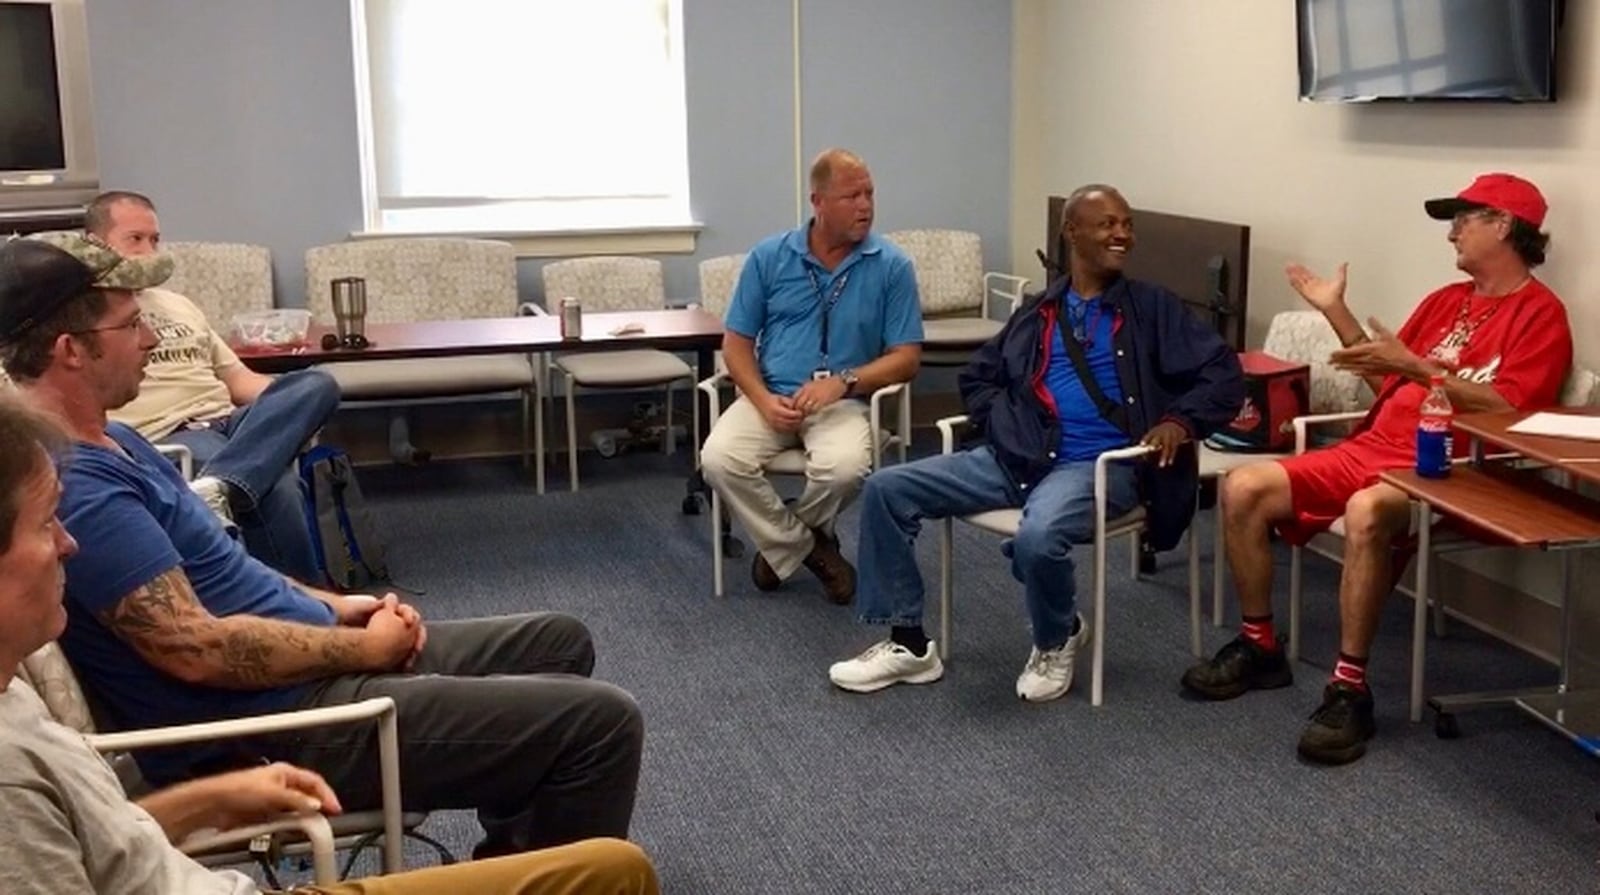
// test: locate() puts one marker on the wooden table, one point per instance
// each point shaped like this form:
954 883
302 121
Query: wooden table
1519 507
668 329
674 329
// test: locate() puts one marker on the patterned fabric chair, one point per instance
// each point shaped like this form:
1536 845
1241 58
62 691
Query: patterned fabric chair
431 279
955 292
718 278
48 674
223 279
613 283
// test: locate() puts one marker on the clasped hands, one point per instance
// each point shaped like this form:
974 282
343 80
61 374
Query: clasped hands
396 627
786 413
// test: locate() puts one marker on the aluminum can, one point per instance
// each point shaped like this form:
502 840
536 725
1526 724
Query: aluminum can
571 319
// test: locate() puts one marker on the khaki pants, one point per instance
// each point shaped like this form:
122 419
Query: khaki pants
591 867
838 445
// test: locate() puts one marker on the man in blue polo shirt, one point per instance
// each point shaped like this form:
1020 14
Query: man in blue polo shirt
1098 361
823 315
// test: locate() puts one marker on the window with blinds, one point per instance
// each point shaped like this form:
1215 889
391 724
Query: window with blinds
506 116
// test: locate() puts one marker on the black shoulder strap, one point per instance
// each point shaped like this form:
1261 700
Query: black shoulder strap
1114 413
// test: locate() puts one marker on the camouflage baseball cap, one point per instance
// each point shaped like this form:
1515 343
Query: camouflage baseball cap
43 271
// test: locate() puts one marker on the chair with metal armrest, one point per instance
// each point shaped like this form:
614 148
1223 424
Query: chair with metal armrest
1007 522
793 461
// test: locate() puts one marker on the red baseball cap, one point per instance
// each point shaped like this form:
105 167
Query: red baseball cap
1504 192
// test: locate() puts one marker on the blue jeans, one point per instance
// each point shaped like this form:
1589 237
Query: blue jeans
1056 513
255 450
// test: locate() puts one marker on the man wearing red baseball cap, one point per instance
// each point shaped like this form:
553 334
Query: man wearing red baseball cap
1500 340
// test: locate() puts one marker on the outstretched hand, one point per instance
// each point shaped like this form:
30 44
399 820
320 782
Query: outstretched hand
1322 293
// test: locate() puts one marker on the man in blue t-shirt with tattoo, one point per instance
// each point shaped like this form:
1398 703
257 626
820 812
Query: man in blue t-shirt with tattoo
170 621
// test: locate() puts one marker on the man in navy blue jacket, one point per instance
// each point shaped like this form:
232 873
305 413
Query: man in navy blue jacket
1095 363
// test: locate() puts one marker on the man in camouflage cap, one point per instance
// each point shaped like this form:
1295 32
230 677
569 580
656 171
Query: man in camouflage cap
41 273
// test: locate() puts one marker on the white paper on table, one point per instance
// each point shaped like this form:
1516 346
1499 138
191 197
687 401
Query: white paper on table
1559 425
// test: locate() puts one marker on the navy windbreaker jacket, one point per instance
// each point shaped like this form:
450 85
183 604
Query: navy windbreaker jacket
1171 366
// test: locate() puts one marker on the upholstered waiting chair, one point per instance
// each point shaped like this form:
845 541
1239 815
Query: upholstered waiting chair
793 461
719 276
223 279
1006 523
431 279
47 672
955 292
611 283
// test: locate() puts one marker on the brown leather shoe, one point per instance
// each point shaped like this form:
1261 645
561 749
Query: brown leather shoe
762 574
829 565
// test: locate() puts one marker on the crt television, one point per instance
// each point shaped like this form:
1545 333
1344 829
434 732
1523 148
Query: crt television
1366 50
47 148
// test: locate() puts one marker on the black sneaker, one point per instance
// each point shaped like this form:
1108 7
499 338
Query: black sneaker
1340 727
1238 667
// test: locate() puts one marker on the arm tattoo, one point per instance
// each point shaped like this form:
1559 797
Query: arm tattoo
167 625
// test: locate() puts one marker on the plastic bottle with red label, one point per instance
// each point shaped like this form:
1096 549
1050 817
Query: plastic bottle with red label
1434 435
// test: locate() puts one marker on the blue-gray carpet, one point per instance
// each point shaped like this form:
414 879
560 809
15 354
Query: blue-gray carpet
759 777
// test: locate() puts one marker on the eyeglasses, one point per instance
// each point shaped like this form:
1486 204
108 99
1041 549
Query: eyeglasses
1481 214
132 324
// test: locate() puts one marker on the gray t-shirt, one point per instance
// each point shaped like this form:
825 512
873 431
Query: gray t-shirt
69 828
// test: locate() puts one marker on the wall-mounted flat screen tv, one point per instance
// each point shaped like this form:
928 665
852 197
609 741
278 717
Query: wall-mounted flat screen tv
1419 50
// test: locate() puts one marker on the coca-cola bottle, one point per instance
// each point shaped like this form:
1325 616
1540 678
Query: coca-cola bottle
1433 431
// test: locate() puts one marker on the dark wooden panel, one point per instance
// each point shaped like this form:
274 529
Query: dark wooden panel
1205 262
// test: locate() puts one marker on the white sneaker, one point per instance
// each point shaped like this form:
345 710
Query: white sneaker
1048 674
886 663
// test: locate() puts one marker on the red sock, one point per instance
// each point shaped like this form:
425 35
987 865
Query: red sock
1351 670
1258 630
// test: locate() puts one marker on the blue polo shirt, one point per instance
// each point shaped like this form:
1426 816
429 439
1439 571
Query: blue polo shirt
783 291
134 518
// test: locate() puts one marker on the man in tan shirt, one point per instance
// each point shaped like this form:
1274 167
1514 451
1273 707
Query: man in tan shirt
244 428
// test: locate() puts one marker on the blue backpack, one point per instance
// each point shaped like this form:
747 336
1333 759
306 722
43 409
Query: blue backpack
350 552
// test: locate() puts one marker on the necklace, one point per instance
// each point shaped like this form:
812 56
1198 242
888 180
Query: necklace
1448 351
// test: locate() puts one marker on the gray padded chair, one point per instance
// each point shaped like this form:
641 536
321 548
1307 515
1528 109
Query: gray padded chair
428 278
612 283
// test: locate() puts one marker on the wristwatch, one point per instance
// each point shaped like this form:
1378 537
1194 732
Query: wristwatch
849 378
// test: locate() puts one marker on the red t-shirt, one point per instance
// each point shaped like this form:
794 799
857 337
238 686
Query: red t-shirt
1521 345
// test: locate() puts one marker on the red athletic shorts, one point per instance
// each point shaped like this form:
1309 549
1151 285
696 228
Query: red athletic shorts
1321 482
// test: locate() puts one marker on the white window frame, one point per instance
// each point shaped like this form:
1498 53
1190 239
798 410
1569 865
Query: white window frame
674 234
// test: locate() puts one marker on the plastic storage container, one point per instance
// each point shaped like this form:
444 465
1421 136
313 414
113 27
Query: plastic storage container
271 330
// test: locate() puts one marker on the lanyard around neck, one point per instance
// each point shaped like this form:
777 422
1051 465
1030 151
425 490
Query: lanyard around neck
827 302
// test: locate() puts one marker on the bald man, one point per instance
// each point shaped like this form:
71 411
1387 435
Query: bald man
823 315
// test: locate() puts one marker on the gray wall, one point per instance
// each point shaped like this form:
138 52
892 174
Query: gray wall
238 117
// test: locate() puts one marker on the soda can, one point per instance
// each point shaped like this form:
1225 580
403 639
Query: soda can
571 319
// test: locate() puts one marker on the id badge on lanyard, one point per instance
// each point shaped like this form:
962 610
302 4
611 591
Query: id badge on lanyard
824 370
